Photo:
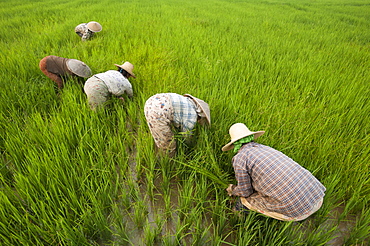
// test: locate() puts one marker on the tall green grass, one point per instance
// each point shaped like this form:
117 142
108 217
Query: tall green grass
297 69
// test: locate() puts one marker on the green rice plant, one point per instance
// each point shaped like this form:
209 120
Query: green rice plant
185 198
218 179
150 236
70 176
118 225
245 231
218 213
201 235
320 236
360 232
139 213
181 232
152 231
123 195
168 206
148 163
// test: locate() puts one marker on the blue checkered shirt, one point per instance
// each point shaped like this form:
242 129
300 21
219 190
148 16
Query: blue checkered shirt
284 186
184 112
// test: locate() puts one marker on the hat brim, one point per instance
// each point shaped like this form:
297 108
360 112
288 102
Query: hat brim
78 68
208 117
229 145
132 74
94 26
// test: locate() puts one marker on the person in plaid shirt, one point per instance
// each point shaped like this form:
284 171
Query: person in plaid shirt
270 182
164 110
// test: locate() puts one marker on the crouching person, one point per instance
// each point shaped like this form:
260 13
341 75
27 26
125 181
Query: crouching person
87 30
270 182
167 110
58 69
100 87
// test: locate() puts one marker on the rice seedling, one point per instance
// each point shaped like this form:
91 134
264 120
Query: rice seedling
70 176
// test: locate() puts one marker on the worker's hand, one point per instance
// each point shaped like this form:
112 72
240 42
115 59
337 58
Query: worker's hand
230 189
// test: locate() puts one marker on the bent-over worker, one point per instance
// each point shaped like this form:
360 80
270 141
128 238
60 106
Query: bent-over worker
100 87
87 30
164 110
59 68
270 182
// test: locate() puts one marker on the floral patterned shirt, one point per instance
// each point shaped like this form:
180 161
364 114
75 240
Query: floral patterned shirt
117 84
83 31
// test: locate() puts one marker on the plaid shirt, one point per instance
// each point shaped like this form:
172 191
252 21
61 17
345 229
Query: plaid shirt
184 112
281 184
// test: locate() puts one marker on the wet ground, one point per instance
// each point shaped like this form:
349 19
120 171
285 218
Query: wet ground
136 234
344 227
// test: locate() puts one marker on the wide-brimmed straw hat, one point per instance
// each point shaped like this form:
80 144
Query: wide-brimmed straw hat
127 67
78 68
94 26
206 113
239 131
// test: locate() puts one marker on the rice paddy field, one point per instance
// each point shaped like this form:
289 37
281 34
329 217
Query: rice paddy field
297 69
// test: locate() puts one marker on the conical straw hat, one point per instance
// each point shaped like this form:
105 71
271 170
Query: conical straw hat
203 106
94 26
239 131
79 68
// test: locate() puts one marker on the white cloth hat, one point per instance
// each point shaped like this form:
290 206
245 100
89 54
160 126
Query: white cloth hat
239 131
127 67
79 68
206 113
94 26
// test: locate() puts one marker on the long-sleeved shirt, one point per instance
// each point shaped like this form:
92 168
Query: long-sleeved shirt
116 83
55 68
283 186
83 31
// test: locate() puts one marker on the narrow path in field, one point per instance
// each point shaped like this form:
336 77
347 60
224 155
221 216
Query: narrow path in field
136 235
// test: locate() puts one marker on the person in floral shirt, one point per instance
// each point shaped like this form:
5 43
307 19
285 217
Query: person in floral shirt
87 30
101 86
165 111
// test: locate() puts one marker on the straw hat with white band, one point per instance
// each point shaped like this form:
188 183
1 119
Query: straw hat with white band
128 67
239 131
